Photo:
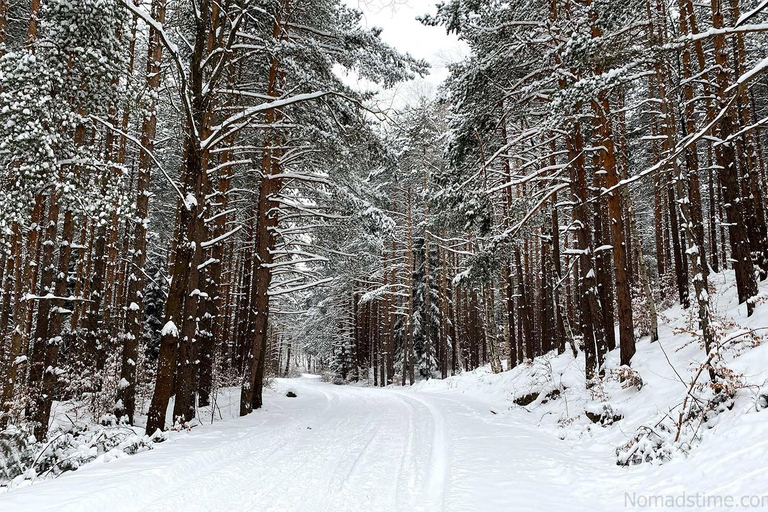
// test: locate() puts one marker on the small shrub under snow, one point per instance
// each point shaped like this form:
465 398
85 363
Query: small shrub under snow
602 413
648 445
22 458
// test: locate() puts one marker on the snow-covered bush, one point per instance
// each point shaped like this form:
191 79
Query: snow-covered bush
81 444
648 445
665 292
628 377
678 430
21 457
90 393
602 413
640 311
17 452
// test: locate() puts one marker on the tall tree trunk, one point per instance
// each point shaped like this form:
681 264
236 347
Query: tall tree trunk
489 328
21 307
616 217
126 395
590 313
44 307
691 209
733 204
178 340
44 400
409 358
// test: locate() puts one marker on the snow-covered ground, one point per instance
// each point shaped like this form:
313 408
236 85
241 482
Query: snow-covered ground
460 444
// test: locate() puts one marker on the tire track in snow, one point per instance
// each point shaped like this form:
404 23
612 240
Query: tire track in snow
317 475
360 454
367 450
368 474
250 463
407 457
437 474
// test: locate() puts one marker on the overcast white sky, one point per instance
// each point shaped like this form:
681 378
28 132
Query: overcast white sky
397 18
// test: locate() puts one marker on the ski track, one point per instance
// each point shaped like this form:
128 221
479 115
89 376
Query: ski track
432 496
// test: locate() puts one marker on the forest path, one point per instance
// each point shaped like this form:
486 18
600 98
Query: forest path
333 448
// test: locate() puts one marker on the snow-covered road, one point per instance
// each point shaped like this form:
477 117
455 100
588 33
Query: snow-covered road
350 448
333 448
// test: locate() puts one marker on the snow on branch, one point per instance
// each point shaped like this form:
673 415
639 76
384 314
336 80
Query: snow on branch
221 238
223 130
678 151
292 289
175 55
725 31
749 15
51 296
150 153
